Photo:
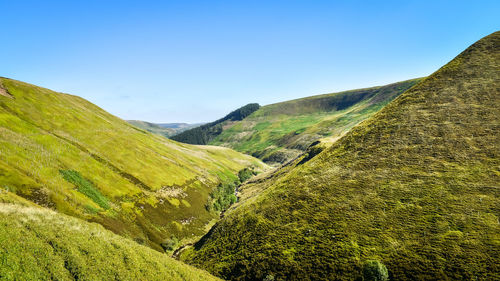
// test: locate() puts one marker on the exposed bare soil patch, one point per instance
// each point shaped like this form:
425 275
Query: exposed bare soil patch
4 92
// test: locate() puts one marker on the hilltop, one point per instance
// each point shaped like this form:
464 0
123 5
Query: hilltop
412 193
179 126
63 152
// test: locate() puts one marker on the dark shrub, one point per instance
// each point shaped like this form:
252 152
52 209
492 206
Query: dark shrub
374 270
245 174
170 243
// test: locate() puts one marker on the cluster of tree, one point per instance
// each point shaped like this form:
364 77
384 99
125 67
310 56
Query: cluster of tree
222 197
207 132
225 194
246 173
170 244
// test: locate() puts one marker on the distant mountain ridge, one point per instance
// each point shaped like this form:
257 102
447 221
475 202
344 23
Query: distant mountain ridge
279 132
179 125
164 129
207 132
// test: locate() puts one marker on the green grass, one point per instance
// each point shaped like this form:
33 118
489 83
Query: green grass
415 188
39 244
280 132
62 152
86 187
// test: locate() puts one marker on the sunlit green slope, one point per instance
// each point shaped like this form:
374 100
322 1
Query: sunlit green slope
40 244
416 188
62 152
280 132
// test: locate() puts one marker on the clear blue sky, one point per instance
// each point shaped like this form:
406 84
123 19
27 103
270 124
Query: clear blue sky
193 61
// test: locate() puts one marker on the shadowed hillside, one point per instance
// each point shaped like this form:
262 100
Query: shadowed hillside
62 152
414 189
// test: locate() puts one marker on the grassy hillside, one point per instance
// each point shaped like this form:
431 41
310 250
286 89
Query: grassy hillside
207 132
163 129
40 244
62 152
414 190
280 132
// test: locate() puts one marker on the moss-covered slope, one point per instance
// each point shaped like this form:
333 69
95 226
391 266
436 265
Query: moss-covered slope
280 132
39 244
62 152
416 187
